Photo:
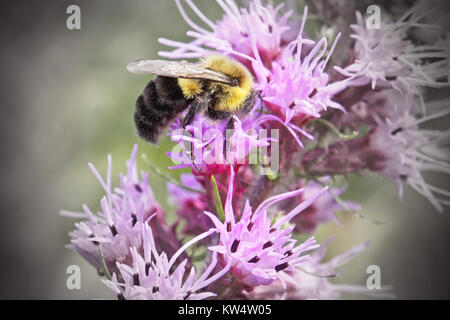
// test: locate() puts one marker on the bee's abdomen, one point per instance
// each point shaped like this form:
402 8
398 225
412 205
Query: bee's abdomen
160 102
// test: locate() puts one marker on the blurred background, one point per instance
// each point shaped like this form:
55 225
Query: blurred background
67 99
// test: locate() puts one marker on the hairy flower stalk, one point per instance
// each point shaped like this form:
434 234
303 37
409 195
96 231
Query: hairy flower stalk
399 145
391 106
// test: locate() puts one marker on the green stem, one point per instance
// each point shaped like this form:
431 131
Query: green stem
311 17
336 130
269 173
102 260
170 179
219 207
318 275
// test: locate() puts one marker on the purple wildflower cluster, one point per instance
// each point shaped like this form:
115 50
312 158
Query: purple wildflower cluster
243 209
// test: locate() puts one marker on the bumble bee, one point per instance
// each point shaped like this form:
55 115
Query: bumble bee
217 86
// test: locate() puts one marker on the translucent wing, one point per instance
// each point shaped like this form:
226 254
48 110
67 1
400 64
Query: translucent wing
177 69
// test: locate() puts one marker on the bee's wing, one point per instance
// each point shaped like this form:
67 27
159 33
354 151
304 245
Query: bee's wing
177 69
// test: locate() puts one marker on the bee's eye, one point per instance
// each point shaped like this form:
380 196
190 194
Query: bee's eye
235 82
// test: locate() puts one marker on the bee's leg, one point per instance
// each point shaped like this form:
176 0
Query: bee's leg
196 106
230 124
220 115
229 128
190 115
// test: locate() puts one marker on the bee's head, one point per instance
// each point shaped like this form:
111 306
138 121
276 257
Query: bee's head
230 67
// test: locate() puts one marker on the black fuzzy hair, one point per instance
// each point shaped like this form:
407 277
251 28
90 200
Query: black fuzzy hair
160 102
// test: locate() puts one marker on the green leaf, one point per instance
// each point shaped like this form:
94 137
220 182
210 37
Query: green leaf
219 207
167 178
269 173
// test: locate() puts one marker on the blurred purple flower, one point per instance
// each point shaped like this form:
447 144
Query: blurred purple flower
407 151
323 209
395 61
312 281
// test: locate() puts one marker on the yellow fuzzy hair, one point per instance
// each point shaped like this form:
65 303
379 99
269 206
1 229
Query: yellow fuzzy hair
231 98
190 87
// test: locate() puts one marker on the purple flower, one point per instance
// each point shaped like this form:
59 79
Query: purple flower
264 23
259 250
395 61
190 205
312 281
323 209
150 277
202 144
117 227
297 81
407 151
297 89
178 194
290 74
